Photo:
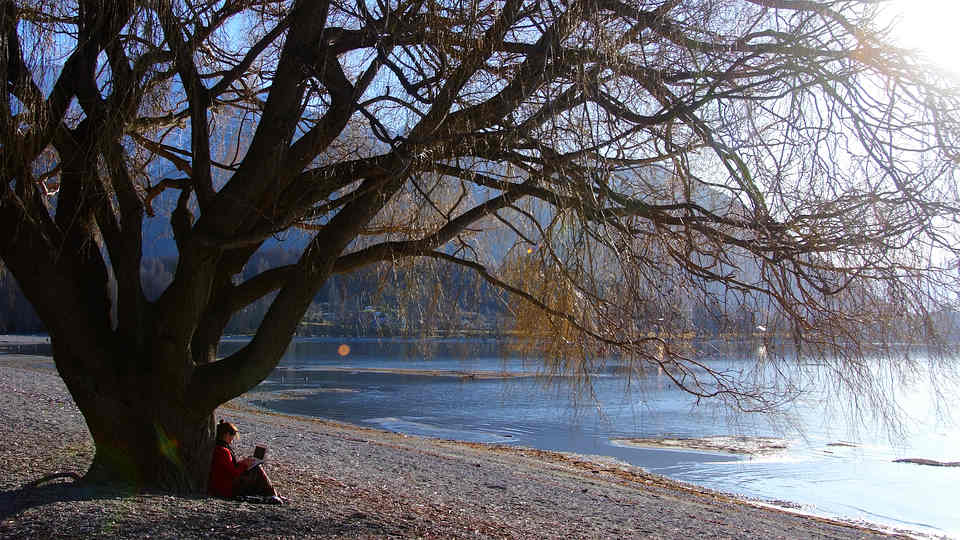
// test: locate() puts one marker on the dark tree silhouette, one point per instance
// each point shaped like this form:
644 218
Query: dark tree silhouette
612 165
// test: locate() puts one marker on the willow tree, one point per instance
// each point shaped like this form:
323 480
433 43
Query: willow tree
611 164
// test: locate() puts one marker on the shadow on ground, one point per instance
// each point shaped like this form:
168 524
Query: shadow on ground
69 509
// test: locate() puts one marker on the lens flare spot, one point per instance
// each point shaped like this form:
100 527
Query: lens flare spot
343 349
167 446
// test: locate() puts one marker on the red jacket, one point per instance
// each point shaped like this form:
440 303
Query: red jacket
223 470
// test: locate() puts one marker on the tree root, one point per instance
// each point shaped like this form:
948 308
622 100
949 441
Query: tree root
50 477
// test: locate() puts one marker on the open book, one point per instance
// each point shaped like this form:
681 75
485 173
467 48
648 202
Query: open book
259 454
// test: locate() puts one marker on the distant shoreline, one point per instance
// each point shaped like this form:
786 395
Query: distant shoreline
461 374
24 339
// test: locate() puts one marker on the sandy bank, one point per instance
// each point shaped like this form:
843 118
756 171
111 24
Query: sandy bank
352 482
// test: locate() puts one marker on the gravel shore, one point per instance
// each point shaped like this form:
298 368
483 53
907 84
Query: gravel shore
351 482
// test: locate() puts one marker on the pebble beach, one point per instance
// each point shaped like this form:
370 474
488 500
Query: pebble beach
346 481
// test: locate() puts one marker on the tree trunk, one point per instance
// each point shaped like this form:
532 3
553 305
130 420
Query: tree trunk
149 447
147 432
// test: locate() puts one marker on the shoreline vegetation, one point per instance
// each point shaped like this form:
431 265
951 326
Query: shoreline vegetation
348 481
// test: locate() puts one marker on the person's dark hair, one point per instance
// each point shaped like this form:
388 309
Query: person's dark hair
224 428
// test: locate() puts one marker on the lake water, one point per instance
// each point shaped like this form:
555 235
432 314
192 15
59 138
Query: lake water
829 468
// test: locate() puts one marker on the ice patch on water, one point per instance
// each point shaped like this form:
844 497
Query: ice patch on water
723 444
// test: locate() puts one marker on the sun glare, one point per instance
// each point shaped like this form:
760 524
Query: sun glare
930 26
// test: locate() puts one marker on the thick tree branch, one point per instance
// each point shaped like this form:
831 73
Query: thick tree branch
269 149
219 381
199 99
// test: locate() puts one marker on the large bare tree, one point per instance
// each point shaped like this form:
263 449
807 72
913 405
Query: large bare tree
611 164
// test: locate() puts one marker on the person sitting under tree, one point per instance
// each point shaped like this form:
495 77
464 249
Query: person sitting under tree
230 478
